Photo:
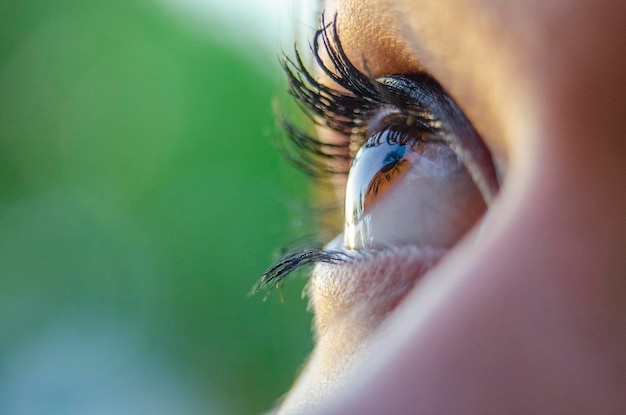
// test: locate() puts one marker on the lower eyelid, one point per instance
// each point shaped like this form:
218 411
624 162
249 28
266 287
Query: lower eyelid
368 287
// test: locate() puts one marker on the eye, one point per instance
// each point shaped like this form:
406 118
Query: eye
408 187
422 176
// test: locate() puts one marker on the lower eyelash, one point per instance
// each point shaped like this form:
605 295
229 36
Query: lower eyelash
275 276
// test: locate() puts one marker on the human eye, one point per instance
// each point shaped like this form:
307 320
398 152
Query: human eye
416 179
414 171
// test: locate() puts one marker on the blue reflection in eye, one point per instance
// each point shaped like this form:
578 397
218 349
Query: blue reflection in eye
392 159
383 159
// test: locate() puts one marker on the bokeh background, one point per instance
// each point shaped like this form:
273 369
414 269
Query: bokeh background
140 198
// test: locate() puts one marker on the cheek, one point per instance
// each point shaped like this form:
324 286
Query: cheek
350 300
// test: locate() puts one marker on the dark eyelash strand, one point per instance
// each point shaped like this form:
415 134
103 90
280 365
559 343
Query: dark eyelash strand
340 111
347 113
275 276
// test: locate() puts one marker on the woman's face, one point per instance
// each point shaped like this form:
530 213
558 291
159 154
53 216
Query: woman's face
526 311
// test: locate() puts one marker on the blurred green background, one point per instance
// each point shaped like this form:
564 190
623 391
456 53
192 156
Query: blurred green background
140 197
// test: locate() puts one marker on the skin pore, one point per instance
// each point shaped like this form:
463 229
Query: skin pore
529 314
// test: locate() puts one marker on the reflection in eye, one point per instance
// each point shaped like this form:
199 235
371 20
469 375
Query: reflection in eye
406 187
383 158
381 161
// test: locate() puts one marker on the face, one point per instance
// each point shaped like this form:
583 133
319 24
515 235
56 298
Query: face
482 267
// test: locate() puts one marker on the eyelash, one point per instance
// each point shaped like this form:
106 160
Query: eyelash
347 113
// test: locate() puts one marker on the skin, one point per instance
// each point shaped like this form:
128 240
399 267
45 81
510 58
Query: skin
529 314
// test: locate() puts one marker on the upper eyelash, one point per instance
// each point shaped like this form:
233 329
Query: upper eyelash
340 111
347 113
